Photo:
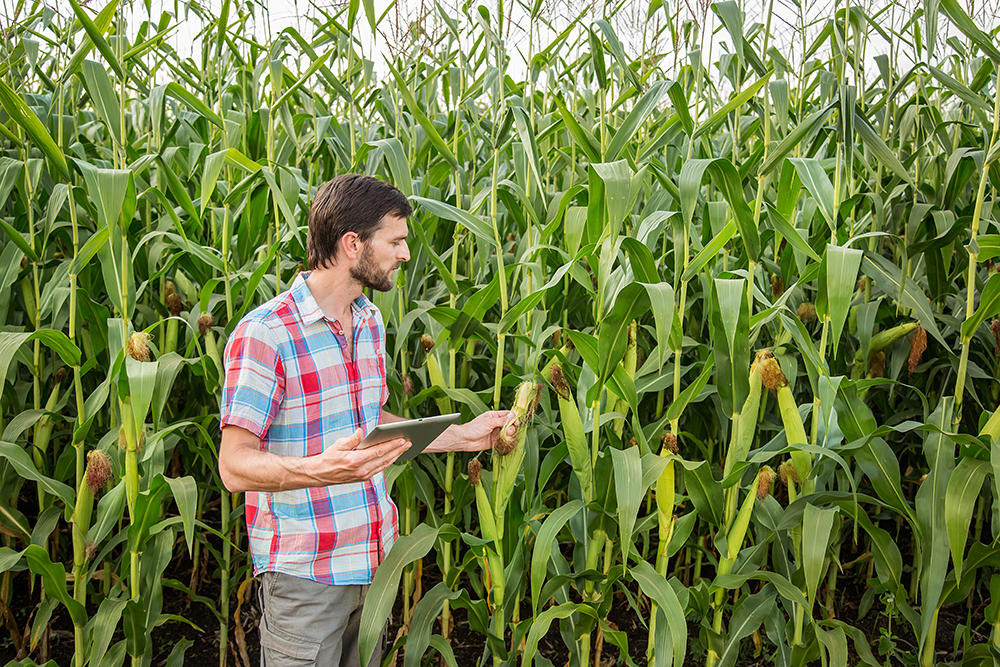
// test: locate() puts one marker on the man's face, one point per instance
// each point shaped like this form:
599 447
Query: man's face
382 255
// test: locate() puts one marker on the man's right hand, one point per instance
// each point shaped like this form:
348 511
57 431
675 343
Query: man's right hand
243 466
344 463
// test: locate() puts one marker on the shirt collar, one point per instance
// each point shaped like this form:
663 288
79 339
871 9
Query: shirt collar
309 310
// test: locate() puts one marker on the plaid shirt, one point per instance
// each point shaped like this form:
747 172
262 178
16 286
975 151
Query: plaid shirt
289 381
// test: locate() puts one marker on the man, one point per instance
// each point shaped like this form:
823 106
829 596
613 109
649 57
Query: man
305 381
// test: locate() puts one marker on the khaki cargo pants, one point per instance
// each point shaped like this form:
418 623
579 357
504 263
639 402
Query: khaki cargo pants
308 624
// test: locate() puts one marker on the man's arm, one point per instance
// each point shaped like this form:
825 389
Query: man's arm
243 466
479 434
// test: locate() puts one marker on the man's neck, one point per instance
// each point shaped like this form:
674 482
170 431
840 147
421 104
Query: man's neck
334 290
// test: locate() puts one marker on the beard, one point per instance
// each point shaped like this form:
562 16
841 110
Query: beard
367 272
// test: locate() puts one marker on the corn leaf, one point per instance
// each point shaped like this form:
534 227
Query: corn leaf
32 126
550 528
989 306
959 502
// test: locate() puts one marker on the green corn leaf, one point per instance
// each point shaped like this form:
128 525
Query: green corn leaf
705 491
959 502
540 626
631 302
385 585
54 579
583 139
102 22
185 492
209 178
181 94
731 342
315 65
661 300
877 461
793 138
106 621
630 491
617 195
817 525
627 131
96 36
543 547
690 392
793 236
421 625
20 461
527 136
953 10
234 158
655 586
618 51
889 279
471 222
178 190
641 260
836 288
738 101
32 126
17 238
882 153
989 306
835 643
939 451
818 184
747 617
417 112
709 252
726 178
784 587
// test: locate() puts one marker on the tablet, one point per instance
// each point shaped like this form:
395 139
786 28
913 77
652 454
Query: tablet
420 433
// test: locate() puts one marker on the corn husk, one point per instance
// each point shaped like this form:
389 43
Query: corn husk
508 455
666 491
795 432
435 375
628 363
576 439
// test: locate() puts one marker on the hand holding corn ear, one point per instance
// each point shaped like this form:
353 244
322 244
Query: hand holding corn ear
483 432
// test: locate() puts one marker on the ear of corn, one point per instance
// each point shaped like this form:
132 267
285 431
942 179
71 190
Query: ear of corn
795 432
572 425
508 455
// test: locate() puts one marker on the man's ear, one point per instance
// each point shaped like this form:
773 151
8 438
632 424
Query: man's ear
350 244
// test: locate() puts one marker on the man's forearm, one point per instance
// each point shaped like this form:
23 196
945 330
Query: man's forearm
451 440
256 470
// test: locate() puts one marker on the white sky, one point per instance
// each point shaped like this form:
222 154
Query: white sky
271 16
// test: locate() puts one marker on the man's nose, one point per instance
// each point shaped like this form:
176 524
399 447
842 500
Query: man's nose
404 253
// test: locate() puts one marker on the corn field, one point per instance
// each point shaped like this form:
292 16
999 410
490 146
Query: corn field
747 312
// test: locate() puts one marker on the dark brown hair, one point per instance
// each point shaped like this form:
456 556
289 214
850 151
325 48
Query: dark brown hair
349 203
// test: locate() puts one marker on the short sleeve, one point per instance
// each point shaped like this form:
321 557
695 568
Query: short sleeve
255 378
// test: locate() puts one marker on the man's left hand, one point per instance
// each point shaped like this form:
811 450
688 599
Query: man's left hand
482 432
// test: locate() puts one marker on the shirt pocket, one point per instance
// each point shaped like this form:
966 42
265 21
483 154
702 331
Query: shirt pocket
374 392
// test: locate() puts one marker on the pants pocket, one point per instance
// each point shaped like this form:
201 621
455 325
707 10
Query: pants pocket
281 648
